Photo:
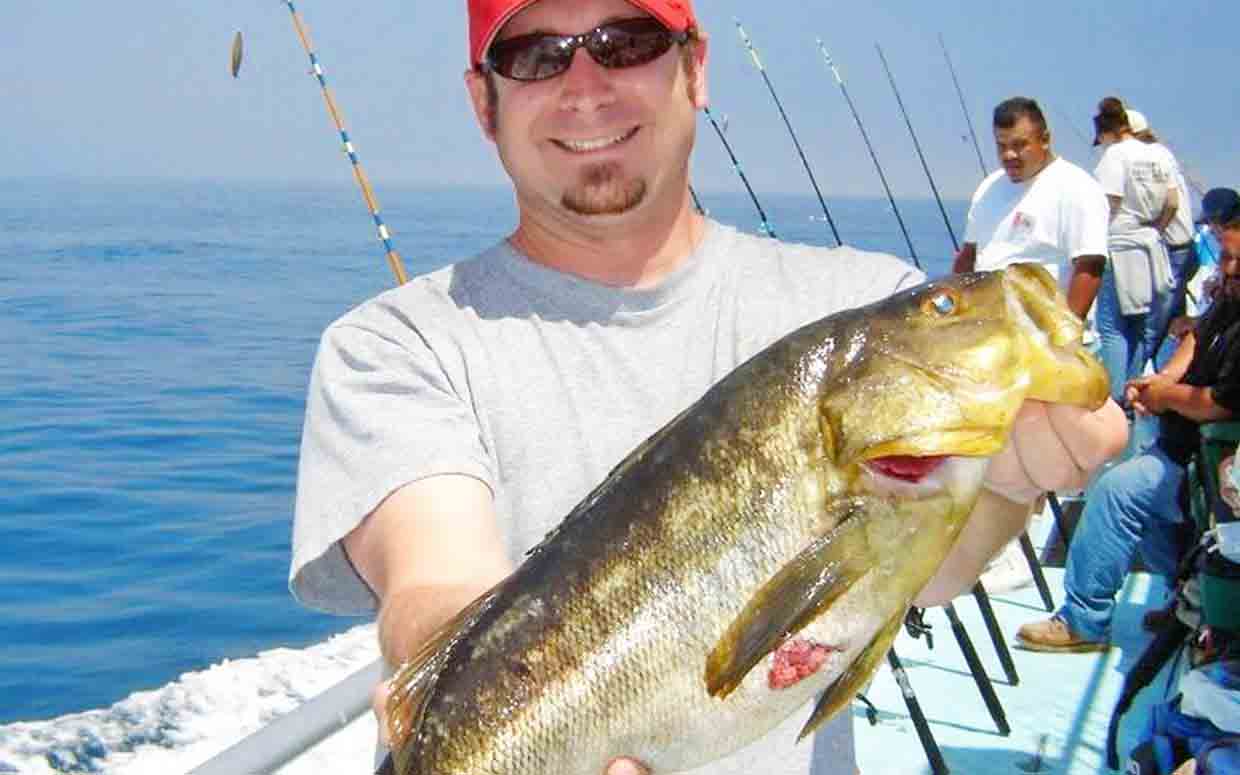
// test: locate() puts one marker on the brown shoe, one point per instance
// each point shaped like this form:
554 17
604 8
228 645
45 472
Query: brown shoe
1053 635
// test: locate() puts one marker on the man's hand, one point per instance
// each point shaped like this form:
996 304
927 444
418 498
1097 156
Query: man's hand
1181 325
1148 395
1055 447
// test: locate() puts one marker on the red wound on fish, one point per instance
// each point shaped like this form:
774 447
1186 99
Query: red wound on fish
795 660
906 467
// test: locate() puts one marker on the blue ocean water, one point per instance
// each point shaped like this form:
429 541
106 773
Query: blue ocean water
155 342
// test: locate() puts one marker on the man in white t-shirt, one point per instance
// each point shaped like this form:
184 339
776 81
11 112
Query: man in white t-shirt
1038 208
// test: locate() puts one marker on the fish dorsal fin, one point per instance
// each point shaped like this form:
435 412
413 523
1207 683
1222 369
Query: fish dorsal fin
414 683
791 599
840 693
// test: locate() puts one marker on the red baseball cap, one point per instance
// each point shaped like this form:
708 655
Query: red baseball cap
486 17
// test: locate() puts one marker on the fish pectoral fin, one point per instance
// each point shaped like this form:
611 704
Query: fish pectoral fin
839 694
791 599
411 687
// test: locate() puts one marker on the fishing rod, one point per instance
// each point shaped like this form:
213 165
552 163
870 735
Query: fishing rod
1085 141
765 225
964 108
697 203
753 54
947 221
870 147
372 204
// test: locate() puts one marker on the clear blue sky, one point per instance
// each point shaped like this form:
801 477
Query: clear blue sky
141 88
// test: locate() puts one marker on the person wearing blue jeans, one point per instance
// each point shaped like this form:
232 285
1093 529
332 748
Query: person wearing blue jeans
1134 506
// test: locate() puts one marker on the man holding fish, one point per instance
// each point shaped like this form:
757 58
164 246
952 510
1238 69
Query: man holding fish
453 422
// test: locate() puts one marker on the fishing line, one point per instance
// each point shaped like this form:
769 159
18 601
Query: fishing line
946 221
372 204
765 224
753 54
873 155
960 93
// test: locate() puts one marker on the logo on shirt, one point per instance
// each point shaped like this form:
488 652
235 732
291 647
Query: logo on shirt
1022 223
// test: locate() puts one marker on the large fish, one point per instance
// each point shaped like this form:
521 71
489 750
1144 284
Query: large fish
760 549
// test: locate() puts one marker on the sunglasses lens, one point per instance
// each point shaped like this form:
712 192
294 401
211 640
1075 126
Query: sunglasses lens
629 43
620 44
530 57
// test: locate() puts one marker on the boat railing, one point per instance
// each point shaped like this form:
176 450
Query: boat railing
289 736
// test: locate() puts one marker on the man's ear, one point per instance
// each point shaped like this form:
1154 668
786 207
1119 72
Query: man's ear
698 58
481 96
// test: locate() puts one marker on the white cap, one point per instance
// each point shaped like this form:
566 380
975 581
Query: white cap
1136 120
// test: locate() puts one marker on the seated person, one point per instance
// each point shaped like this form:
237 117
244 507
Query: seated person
1135 505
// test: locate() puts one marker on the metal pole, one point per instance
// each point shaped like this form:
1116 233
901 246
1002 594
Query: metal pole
928 743
964 108
870 147
299 730
996 633
753 54
979 673
372 204
924 165
765 224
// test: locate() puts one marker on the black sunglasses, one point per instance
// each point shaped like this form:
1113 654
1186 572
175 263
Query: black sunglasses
619 44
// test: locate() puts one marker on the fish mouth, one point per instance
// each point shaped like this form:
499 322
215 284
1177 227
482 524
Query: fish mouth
922 476
906 468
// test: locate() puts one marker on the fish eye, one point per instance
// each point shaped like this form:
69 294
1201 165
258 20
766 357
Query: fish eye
942 303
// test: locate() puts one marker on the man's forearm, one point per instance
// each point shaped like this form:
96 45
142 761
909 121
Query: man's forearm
1195 403
994 521
1085 282
410 617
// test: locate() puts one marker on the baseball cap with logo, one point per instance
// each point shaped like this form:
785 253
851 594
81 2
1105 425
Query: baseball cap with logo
486 17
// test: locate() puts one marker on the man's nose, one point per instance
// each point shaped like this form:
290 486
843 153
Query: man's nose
585 84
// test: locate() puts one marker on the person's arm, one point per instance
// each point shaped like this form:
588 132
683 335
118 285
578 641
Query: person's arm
966 259
427 551
1084 284
1170 207
1196 402
1052 447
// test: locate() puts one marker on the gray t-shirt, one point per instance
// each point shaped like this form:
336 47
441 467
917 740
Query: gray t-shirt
537 383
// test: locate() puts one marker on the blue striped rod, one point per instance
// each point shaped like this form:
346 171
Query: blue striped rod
368 194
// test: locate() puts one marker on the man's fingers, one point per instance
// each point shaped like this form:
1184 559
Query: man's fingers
1044 455
1055 447
1092 438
